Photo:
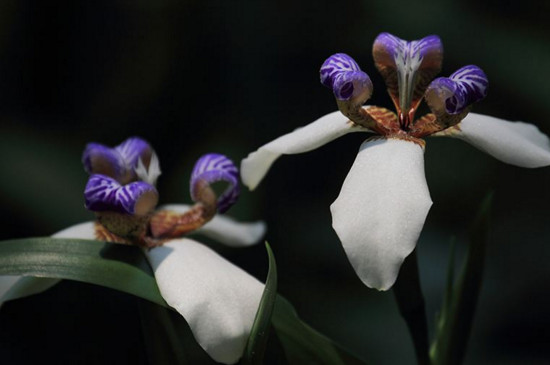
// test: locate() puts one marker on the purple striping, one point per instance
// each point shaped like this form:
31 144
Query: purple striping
103 193
427 44
215 167
98 158
403 50
342 74
347 83
118 162
334 65
133 149
467 85
390 43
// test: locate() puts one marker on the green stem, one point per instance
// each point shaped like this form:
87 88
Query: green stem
410 301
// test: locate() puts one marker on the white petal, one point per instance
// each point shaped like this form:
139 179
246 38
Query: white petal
82 230
516 143
226 230
14 287
310 137
381 209
216 298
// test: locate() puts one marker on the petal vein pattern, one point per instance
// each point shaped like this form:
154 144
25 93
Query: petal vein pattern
381 209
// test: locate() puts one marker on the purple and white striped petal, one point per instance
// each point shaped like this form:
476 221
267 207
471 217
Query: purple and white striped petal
214 167
463 88
119 162
407 67
342 74
133 149
100 159
103 193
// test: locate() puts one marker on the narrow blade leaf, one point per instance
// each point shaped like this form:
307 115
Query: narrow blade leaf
302 344
450 344
125 268
257 341
114 266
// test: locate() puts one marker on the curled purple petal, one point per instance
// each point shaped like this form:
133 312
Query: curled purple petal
342 74
399 48
407 67
100 159
133 149
103 193
214 167
463 88
119 162
389 44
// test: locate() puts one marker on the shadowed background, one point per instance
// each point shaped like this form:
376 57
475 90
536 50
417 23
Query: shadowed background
228 76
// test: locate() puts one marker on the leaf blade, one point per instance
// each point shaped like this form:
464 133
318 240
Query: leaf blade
304 345
257 341
118 267
450 345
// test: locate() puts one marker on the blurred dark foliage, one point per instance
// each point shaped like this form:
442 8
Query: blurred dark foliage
228 76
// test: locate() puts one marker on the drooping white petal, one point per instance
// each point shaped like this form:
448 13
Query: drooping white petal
227 230
216 298
381 209
310 137
516 143
14 287
84 230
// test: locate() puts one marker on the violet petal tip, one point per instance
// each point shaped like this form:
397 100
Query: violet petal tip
342 74
215 167
463 88
134 148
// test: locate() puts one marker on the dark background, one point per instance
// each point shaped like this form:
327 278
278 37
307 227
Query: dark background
228 76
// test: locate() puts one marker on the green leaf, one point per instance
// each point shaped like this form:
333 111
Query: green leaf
448 296
457 316
302 344
114 266
125 268
168 338
257 341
